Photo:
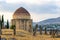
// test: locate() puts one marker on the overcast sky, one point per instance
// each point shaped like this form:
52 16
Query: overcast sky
39 9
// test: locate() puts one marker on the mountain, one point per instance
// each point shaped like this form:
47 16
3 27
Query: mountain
50 21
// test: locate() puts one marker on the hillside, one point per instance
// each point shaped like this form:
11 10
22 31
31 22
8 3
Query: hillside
50 21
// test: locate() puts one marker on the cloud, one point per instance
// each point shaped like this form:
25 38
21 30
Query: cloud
36 17
7 7
35 2
39 9
39 17
7 15
48 7
28 1
14 1
1 0
58 3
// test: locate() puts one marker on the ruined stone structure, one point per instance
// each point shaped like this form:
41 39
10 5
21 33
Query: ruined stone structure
21 19
23 26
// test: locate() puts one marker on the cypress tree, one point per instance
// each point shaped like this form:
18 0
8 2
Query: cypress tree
53 33
34 33
12 27
0 26
7 24
45 30
40 29
2 22
14 30
50 31
2 18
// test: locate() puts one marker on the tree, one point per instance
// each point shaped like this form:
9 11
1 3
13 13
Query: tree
35 29
2 22
12 27
53 33
14 30
2 18
45 30
7 26
50 32
40 29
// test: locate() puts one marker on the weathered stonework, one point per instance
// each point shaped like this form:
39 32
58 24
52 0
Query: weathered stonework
21 19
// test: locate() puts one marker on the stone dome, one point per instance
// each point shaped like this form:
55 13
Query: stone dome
21 13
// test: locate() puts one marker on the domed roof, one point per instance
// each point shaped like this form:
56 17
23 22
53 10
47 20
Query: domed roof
21 13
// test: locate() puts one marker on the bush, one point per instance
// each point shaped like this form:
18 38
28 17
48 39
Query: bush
12 27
